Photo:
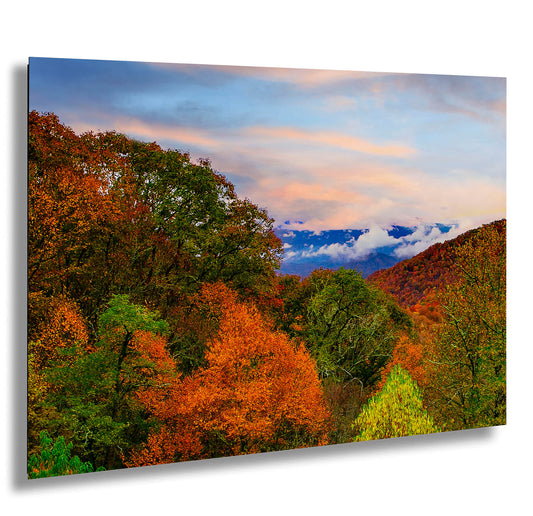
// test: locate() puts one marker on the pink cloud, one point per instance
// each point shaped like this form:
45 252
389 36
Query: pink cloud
311 192
185 136
153 132
333 139
338 192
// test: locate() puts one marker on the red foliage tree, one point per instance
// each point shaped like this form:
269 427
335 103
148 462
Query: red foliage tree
68 204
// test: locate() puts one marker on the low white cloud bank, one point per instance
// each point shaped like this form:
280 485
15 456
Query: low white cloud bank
354 248
377 238
426 236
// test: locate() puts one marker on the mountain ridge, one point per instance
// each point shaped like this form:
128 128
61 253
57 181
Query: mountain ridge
419 277
365 250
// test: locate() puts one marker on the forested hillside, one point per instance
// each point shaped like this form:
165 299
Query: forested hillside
455 294
429 272
159 330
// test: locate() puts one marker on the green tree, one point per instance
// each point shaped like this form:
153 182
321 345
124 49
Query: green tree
351 327
214 235
55 459
395 411
294 294
468 383
109 214
95 394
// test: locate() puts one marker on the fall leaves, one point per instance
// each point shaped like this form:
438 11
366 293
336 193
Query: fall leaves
159 330
146 343
457 354
471 344
258 392
121 238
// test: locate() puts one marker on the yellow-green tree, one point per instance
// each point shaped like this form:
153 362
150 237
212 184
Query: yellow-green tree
395 411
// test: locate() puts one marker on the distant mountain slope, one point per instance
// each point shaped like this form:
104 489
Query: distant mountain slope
365 266
373 262
411 280
307 250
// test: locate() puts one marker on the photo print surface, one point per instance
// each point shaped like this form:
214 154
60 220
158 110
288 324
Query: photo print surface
228 260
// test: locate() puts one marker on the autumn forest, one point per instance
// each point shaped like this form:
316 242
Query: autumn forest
160 330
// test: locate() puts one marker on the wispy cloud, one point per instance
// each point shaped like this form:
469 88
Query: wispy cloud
339 103
155 132
333 139
327 191
479 98
332 149
304 78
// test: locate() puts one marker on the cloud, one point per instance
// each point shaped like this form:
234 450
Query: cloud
369 241
339 103
478 98
305 78
185 136
290 255
334 149
328 191
182 136
300 191
423 237
335 251
333 139
376 238
357 195
427 235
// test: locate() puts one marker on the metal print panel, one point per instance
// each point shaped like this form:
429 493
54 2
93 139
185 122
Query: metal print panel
234 260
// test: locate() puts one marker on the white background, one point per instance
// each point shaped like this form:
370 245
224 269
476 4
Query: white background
475 472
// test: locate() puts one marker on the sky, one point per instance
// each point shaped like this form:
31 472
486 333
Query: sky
319 149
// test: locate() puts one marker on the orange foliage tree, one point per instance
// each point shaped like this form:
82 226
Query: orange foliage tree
68 206
258 392
108 214
408 353
57 335
55 325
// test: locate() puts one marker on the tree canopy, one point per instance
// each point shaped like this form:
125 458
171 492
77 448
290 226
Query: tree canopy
159 329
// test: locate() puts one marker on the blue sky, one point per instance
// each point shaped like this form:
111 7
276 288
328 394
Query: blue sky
332 149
